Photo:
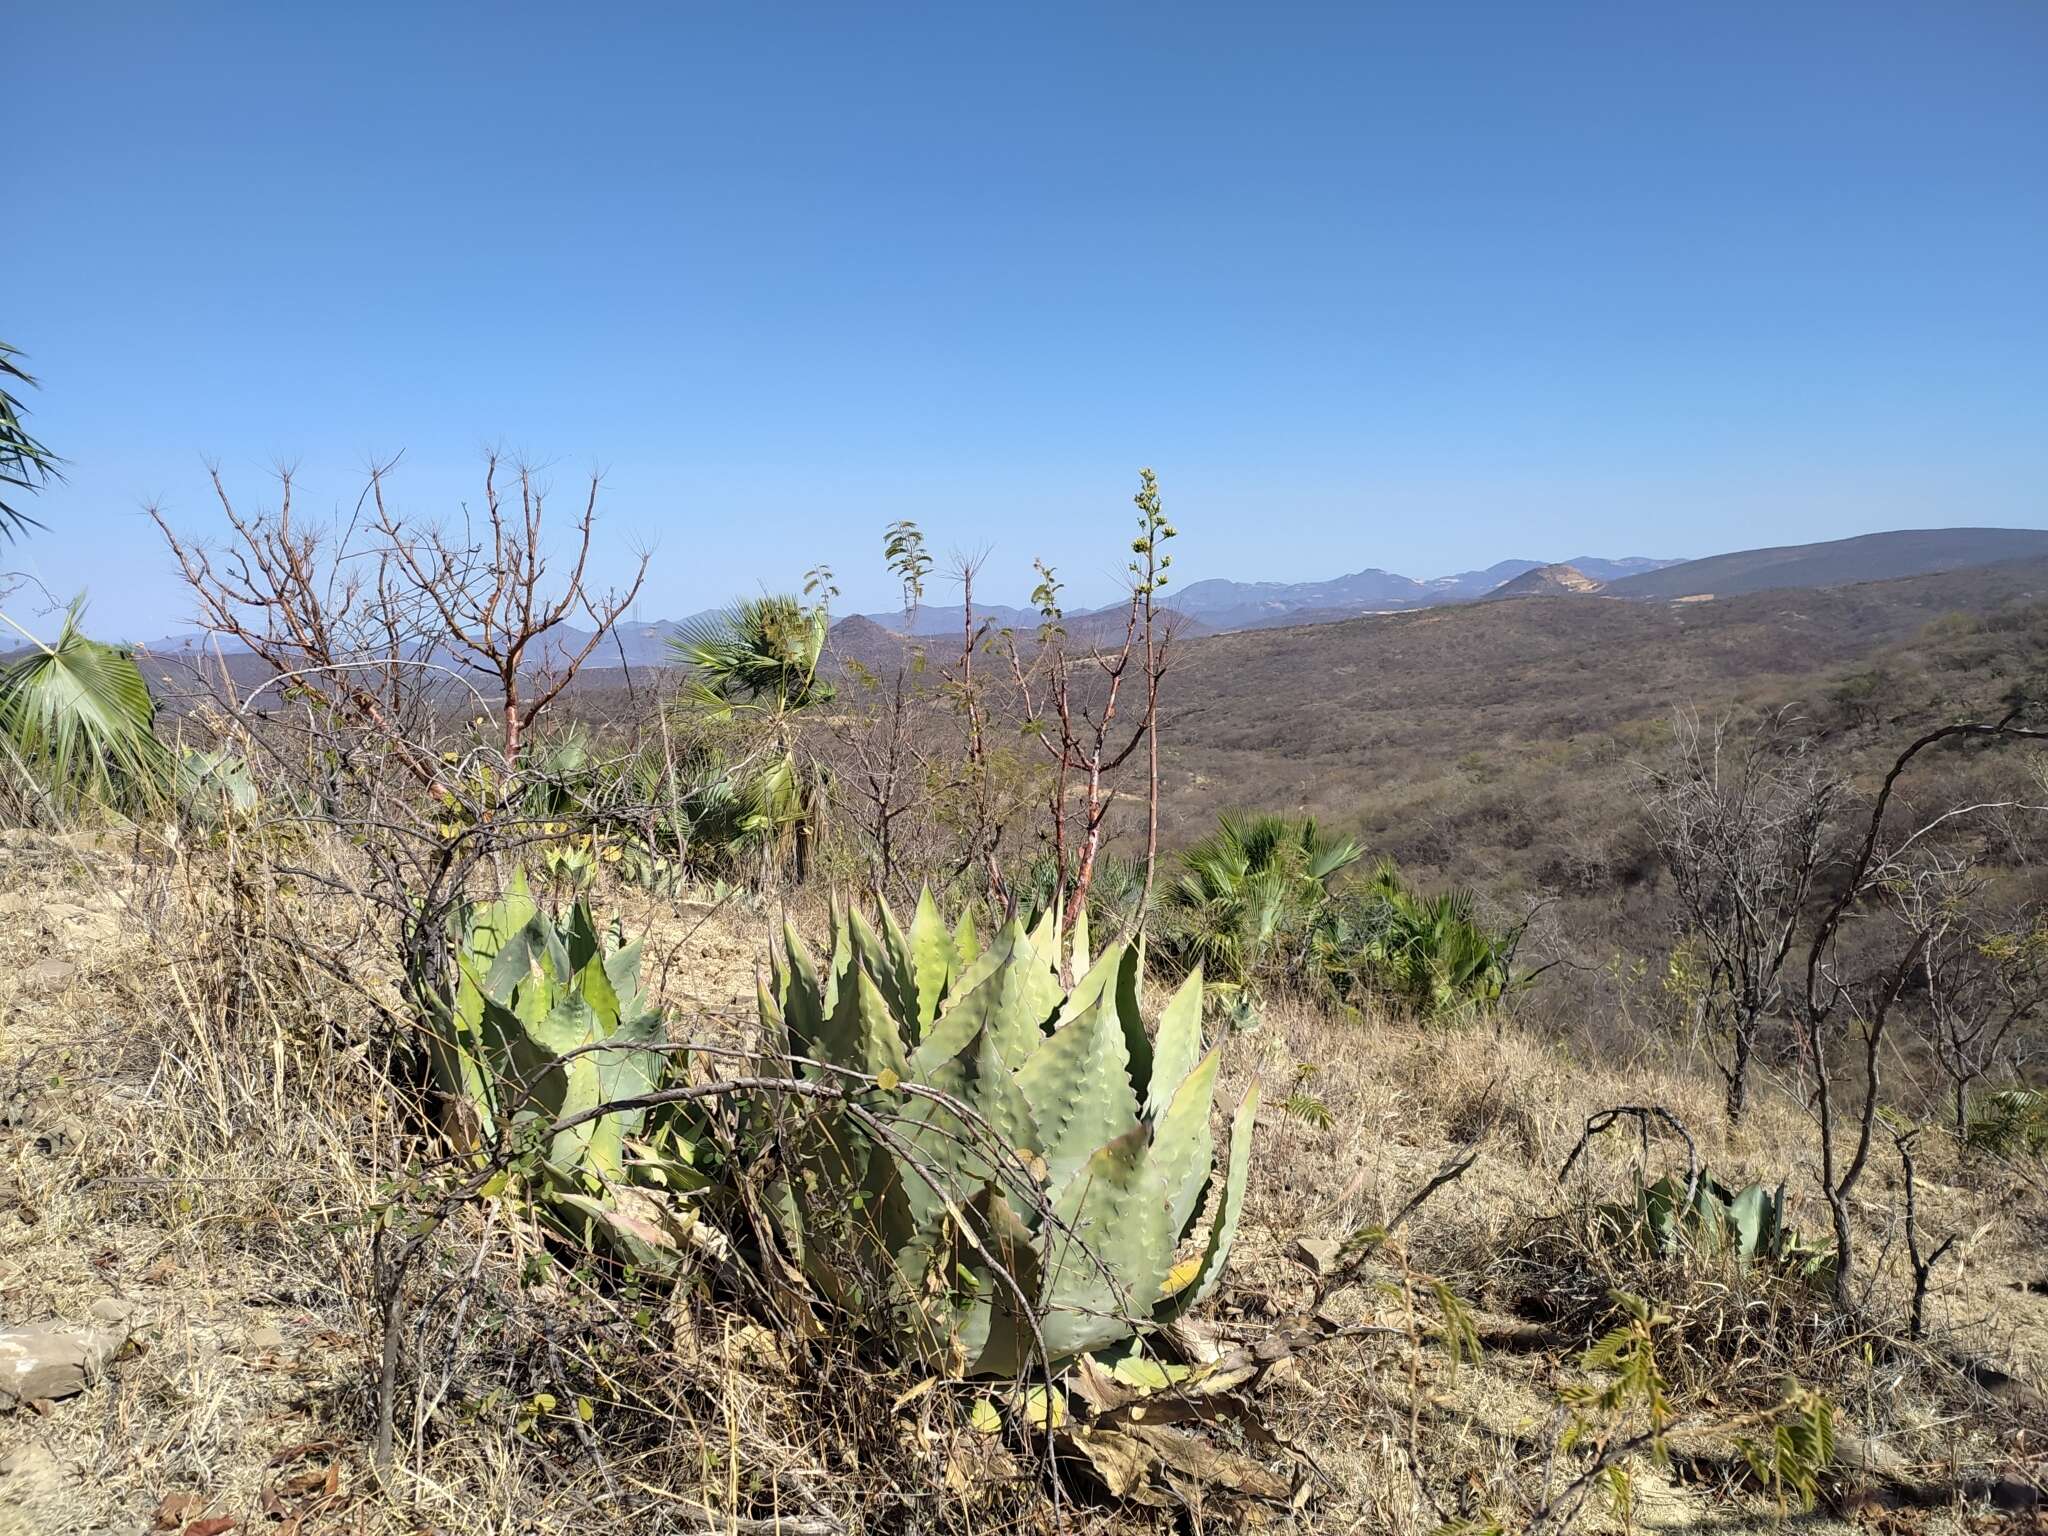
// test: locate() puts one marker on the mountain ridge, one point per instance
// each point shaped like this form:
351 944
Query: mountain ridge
1220 603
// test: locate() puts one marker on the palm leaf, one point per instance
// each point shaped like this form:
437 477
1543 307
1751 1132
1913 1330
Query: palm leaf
761 649
25 464
76 716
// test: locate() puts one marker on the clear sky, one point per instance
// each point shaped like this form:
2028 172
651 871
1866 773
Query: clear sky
1419 286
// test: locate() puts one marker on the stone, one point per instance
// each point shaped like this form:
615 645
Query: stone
52 972
1318 1253
262 1341
17 1108
54 1359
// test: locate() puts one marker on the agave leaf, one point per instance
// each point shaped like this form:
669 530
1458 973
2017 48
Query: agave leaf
1012 999
580 941
1178 1046
801 1007
1006 1334
1711 1219
911 1185
887 958
1107 1248
556 1089
1748 1219
878 1038
484 930
1661 1216
1223 1230
455 1047
622 970
1045 933
931 959
1183 1146
1130 986
627 1067
862 1032
1078 935
641 1236
977 1077
1098 981
966 942
1079 1089
840 963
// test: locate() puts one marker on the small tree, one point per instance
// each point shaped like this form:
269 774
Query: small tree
886 766
1983 980
1071 693
1148 579
358 616
1863 992
1742 819
489 588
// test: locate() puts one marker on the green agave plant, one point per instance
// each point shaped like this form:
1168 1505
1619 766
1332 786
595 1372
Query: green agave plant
1747 1226
1028 1162
545 1022
214 788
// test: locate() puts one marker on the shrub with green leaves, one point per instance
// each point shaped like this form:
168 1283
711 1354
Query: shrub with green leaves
2011 1123
1020 1161
1253 898
544 1022
1428 953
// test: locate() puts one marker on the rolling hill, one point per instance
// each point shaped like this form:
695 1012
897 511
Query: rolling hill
1548 581
1462 739
1837 562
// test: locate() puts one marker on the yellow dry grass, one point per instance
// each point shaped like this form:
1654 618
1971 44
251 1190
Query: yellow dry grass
221 1121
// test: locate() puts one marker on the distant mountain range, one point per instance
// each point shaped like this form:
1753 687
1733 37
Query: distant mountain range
1259 604
1220 604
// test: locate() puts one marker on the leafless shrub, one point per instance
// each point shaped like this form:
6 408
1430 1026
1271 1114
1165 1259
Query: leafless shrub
1742 818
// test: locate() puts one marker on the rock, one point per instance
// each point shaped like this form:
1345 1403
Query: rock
17 1107
262 1341
1318 1253
115 1311
54 1359
52 972
2013 1496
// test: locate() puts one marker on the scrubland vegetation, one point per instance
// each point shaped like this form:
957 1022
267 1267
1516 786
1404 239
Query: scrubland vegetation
799 1091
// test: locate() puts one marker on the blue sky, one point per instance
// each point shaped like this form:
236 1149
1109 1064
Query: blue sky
1415 286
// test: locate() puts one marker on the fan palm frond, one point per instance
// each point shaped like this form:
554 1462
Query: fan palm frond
762 651
77 718
25 464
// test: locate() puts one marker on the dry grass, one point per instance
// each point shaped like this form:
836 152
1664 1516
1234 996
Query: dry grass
231 1126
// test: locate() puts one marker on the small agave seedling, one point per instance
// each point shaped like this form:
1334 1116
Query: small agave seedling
1746 1226
214 788
1027 1162
544 1022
